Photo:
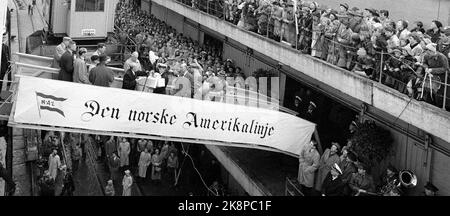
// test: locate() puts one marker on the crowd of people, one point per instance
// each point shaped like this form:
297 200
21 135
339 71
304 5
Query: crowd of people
174 56
400 54
339 172
349 38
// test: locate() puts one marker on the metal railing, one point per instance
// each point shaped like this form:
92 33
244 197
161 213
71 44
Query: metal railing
291 188
308 38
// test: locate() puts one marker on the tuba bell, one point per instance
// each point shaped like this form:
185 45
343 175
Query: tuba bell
408 179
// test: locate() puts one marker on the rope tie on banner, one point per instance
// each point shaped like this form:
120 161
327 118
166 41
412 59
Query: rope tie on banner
430 76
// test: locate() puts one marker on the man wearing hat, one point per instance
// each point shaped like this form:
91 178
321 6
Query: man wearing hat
80 73
333 185
308 163
343 9
59 51
436 64
344 39
327 161
299 107
430 189
356 20
127 182
311 114
361 182
66 63
101 75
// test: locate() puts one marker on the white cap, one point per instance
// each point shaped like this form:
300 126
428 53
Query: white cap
431 46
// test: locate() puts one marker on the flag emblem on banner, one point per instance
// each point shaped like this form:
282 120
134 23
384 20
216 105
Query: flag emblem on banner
49 103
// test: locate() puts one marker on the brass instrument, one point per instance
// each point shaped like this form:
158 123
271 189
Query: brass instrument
408 179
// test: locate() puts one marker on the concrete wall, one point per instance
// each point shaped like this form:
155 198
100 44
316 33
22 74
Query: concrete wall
21 173
427 118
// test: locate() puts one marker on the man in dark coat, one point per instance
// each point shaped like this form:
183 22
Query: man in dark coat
66 63
348 168
129 79
361 182
333 185
5 59
46 185
101 75
68 184
435 31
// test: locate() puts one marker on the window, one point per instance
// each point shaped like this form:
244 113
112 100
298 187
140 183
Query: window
90 5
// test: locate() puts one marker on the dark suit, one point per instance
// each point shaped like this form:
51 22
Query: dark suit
5 63
66 64
348 168
129 79
332 187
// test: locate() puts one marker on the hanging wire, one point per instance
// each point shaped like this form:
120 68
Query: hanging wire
198 172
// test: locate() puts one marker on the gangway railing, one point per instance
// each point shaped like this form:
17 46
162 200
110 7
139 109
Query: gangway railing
292 189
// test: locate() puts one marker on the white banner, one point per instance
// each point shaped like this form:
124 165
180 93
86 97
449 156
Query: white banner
64 104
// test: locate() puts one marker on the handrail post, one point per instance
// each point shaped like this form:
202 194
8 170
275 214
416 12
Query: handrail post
381 66
445 90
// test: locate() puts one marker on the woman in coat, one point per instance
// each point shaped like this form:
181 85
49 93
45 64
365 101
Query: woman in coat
144 161
288 25
54 163
277 17
329 44
124 152
318 29
172 167
156 166
127 182
308 164
327 161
